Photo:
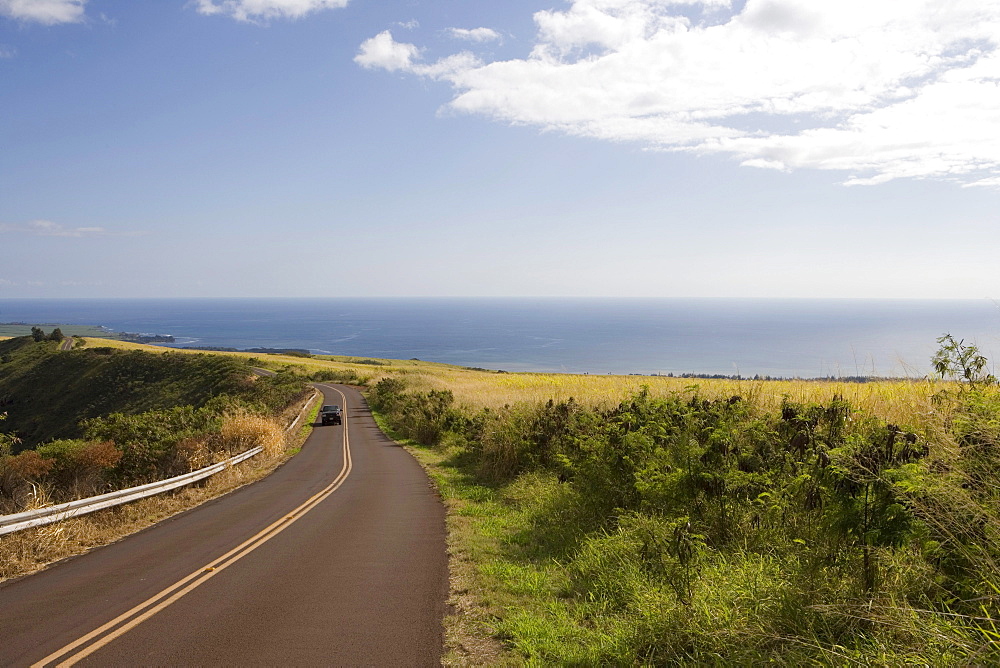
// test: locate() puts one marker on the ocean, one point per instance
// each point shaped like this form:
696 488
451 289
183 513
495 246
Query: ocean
767 337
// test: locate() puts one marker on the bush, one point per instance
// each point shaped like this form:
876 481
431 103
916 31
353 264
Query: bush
854 531
80 468
26 466
386 394
345 376
147 440
191 454
18 473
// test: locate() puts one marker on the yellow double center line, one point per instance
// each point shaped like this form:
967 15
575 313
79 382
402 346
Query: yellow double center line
123 623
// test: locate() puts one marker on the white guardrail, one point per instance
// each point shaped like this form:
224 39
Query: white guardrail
50 514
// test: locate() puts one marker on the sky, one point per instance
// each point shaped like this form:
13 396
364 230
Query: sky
607 148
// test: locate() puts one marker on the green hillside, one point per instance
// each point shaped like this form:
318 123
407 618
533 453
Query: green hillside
46 392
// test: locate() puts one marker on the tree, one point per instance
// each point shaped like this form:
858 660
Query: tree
955 359
56 335
37 334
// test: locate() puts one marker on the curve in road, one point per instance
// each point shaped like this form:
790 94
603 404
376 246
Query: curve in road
337 558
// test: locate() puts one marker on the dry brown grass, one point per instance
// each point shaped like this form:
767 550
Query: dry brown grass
494 390
242 431
902 402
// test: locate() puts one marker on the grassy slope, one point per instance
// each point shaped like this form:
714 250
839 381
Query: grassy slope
47 393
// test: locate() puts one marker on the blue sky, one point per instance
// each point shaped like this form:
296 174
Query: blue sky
286 148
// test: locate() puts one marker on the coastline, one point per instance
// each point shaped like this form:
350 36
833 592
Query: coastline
776 338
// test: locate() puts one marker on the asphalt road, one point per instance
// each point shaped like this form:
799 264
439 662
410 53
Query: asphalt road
336 559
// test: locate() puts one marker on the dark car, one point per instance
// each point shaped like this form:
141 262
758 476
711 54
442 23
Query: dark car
330 415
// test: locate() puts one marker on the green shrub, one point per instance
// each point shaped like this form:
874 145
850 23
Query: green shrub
147 439
345 376
83 468
697 531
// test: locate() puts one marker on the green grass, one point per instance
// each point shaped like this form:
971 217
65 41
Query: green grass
684 531
47 394
554 599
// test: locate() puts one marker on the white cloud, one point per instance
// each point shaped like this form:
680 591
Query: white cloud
880 90
384 52
48 12
475 34
7 51
47 228
263 10
992 182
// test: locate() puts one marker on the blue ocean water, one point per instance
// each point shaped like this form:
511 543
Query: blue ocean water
776 337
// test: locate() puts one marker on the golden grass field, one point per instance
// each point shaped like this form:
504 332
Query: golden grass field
904 402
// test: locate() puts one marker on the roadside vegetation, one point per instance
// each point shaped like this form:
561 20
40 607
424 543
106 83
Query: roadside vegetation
723 522
654 520
50 394
83 422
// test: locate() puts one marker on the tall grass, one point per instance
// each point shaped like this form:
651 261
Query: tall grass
242 431
664 521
